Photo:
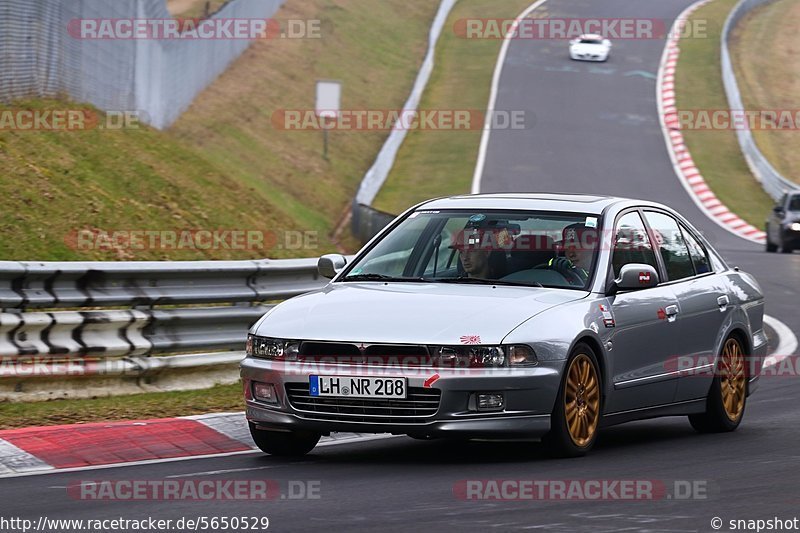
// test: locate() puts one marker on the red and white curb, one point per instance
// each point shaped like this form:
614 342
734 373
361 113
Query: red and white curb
38 450
682 160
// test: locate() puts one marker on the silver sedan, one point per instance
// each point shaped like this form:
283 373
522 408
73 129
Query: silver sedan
510 316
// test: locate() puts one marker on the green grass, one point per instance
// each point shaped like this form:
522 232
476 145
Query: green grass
698 85
763 48
223 165
437 163
219 399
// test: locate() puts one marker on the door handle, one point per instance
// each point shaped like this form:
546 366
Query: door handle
671 312
723 302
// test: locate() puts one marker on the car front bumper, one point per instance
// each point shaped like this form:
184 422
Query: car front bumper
529 396
790 237
588 57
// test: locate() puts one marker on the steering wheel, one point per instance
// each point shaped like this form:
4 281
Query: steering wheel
570 276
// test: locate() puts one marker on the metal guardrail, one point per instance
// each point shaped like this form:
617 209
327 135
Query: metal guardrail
366 221
51 327
771 180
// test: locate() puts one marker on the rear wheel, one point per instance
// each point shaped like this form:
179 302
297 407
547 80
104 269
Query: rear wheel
284 443
728 394
576 415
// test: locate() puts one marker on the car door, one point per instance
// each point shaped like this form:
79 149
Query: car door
644 326
703 303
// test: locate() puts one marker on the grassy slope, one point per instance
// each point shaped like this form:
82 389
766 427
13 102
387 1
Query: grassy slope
716 153
765 47
436 163
223 398
223 165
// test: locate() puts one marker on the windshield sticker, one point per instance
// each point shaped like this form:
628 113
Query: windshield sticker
591 222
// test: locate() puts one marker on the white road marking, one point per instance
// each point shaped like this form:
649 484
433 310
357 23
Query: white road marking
498 71
189 458
787 344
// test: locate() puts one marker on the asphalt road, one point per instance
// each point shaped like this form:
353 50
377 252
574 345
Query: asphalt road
597 132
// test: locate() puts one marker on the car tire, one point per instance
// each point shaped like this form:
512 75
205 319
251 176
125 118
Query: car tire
771 248
786 249
580 395
284 443
727 397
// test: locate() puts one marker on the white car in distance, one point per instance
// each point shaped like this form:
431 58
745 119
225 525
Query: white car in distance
589 47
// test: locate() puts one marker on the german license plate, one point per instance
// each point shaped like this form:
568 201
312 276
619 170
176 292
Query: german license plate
357 386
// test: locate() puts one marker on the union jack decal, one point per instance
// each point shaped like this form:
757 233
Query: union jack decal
470 339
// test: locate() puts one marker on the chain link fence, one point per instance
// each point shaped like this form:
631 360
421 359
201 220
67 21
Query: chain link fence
40 57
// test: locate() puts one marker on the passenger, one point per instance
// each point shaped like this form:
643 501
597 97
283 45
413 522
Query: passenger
580 243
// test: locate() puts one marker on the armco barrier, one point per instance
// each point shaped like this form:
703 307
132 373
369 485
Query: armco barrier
56 341
773 182
364 222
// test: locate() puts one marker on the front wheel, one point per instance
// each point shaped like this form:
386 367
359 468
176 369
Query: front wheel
771 248
576 415
284 443
728 394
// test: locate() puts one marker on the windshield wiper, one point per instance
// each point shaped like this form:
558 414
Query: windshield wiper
484 281
381 277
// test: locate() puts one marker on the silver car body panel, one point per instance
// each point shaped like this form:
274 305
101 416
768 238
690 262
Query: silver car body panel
637 349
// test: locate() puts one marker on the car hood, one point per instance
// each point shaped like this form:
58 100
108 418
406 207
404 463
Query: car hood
419 313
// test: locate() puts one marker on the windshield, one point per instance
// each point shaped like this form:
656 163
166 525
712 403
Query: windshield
794 203
591 41
503 248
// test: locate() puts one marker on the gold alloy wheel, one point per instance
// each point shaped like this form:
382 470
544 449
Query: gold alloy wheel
582 400
732 379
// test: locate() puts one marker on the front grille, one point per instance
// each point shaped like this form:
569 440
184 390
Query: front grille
418 407
402 355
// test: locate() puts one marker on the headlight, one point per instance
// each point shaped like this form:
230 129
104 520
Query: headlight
482 356
795 226
269 348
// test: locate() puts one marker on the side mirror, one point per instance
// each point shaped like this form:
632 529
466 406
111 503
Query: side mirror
778 210
636 276
574 41
330 265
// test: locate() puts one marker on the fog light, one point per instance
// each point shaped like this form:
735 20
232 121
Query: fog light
490 402
264 392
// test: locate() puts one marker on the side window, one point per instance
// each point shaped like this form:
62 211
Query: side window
669 240
699 256
631 244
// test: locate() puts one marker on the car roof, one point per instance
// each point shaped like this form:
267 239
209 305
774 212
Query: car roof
565 202
591 36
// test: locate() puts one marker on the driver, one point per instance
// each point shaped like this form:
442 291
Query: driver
579 242
480 245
